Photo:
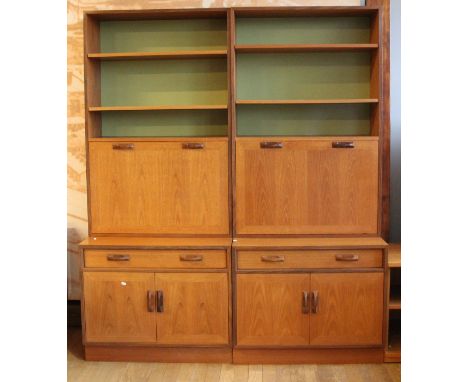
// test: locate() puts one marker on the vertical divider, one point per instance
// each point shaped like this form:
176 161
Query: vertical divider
232 112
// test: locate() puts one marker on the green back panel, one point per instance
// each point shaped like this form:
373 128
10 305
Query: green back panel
163 82
303 75
303 30
342 119
166 123
163 35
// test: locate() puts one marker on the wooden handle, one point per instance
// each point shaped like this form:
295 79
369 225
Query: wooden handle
151 300
347 257
343 145
314 301
273 259
271 145
159 301
193 146
305 302
123 146
191 258
118 257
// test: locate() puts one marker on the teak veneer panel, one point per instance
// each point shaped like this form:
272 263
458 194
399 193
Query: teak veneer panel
306 187
135 242
195 309
116 307
308 242
163 259
350 309
269 309
159 187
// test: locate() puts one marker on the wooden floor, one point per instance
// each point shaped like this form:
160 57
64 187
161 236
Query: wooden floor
79 370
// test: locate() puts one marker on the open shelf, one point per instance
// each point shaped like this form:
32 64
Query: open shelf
305 101
159 55
163 35
395 298
282 48
303 30
155 108
295 119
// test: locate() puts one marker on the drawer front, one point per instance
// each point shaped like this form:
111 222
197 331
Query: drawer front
177 259
348 258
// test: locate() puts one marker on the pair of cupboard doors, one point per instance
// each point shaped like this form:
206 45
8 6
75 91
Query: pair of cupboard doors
286 186
156 308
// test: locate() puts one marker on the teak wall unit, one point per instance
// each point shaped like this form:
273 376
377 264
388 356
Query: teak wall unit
237 164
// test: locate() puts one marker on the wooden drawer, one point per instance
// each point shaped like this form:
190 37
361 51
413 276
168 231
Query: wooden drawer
349 258
177 259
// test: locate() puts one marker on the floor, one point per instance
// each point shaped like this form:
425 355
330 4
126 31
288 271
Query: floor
79 370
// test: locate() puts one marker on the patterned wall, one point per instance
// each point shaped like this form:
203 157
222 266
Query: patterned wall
77 210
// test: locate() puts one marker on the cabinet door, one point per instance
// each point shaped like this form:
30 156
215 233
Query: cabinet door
116 307
269 309
193 308
349 309
306 186
159 187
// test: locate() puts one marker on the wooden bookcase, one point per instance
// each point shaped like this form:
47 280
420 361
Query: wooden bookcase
237 165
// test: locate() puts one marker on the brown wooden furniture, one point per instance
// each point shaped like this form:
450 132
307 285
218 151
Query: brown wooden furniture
393 337
264 130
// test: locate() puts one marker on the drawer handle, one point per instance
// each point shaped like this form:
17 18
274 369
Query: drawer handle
193 146
273 259
343 145
191 258
315 301
159 301
118 257
305 302
123 146
271 145
151 300
347 257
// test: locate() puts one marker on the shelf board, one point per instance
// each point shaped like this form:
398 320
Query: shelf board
159 139
164 107
159 55
306 101
394 255
281 48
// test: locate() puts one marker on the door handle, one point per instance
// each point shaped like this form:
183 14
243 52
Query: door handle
150 300
193 146
314 296
123 146
343 145
159 301
305 302
118 257
273 259
191 258
271 145
346 257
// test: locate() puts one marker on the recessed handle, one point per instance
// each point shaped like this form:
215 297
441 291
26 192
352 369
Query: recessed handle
151 300
191 258
123 146
193 146
159 301
118 257
271 145
305 302
314 296
273 259
343 145
346 257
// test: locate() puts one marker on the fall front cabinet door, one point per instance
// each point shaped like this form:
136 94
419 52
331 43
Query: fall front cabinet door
159 187
182 308
116 307
308 186
338 309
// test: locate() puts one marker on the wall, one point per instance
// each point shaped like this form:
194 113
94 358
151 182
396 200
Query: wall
77 210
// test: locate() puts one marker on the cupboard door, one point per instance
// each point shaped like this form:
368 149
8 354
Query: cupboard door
117 307
192 308
269 309
349 309
159 187
306 186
